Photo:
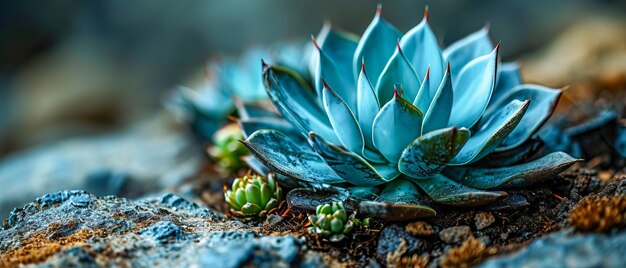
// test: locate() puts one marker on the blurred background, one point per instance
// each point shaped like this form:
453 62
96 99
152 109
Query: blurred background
80 69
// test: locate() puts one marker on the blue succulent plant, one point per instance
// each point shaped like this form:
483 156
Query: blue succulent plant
392 116
207 107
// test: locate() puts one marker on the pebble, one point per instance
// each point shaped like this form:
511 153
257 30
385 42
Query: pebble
455 235
483 220
419 228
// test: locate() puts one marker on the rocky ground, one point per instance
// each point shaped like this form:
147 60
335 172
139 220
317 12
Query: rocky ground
150 197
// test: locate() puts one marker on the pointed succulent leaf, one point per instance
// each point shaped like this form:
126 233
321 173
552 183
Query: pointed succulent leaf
339 47
399 201
396 125
350 166
472 90
375 47
421 48
290 95
492 133
438 113
398 73
508 77
367 106
448 192
343 121
522 175
249 110
543 100
249 126
423 99
519 154
430 153
329 72
461 52
285 157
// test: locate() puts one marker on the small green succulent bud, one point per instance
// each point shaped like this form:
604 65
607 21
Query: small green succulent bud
253 196
227 150
332 221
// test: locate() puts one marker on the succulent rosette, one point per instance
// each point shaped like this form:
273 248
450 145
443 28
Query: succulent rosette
253 196
207 107
227 150
398 117
332 221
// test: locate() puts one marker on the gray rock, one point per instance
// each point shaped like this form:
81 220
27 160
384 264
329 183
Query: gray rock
456 234
166 231
565 249
150 156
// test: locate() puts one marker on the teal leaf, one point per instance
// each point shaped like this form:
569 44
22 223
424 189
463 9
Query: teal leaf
399 201
338 46
330 72
283 156
350 166
291 96
543 100
423 99
397 73
397 124
367 106
448 192
438 113
508 77
536 171
461 52
519 154
343 121
492 133
364 193
430 153
247 110
472 90
249 126
422 49
375 47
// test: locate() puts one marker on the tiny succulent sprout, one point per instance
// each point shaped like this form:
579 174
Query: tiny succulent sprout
333 222
406 121
253 196
227 150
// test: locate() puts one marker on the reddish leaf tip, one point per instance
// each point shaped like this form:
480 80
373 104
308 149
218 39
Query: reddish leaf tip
448 68
363 64
396 94
427 73
325 84
379 9
317 46
426 13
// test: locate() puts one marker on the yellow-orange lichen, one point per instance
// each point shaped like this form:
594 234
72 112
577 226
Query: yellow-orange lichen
414 261
468 254
38 247
598 213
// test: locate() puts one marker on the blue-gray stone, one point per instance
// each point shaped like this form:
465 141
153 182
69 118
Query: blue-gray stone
161 231
566 249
